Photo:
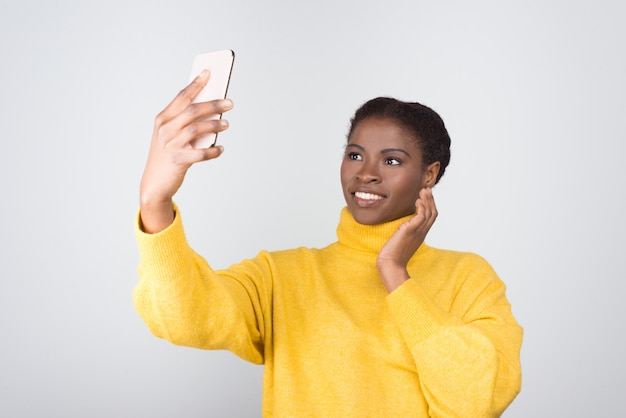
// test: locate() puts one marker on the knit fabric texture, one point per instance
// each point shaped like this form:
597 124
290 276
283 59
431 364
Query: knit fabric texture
333 341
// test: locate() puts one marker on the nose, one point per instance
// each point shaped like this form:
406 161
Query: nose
369 173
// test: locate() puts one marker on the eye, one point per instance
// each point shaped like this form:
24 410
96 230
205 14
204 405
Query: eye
392 161
354 156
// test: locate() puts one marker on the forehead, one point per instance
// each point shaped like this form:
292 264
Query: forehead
380 133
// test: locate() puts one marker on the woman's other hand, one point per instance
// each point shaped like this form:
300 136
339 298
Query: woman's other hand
398 250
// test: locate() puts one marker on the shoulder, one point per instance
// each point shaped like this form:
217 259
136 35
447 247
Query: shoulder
284 256
458 266
453 257
461 279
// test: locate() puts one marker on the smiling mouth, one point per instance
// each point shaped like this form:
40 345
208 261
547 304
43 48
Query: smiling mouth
365 199
367 196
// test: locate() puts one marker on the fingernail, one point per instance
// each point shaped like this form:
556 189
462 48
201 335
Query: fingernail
227 104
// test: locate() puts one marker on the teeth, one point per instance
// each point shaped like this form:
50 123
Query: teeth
367 196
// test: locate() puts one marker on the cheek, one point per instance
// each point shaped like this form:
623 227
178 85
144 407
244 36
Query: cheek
409 187
344 173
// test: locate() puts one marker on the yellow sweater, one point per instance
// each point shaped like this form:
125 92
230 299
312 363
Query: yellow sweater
333 341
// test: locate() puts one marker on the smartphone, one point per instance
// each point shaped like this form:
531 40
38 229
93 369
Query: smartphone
220 64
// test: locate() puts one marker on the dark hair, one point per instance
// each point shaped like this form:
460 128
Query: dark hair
426 125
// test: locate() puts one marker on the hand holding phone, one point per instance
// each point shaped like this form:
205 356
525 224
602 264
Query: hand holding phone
219 64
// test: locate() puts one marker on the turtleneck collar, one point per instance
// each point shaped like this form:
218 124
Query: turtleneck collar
368 238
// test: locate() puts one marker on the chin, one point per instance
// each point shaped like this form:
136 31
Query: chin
368 218
376 217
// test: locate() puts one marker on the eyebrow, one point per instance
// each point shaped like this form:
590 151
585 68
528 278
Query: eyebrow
383 151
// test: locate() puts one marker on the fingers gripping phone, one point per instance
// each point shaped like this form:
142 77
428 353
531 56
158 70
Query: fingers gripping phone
220 65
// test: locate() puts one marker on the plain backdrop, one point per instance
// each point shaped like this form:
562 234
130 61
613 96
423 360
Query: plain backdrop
533 94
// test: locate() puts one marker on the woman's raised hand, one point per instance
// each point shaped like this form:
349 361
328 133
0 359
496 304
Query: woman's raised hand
171 151
398 250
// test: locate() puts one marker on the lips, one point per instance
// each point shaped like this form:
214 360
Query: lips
367 196
367 199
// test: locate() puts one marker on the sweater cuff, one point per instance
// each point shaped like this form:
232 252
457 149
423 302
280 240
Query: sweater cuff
164 246
416 313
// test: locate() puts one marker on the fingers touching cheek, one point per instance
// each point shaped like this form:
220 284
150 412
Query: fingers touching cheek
425 205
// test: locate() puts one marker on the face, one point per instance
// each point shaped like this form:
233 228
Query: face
382 172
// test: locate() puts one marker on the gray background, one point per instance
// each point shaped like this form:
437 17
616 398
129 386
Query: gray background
533 94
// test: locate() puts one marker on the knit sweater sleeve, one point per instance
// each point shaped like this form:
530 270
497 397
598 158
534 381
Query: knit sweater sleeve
466 352
183 300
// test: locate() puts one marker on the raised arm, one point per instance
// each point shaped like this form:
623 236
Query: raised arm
171 153
179 296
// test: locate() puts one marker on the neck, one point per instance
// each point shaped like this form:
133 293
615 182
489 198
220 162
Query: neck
369 238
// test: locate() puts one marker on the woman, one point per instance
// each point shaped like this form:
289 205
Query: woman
375 324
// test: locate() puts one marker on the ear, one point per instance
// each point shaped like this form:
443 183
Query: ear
430 176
